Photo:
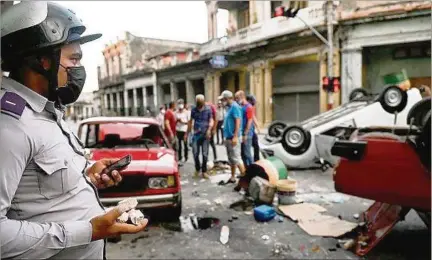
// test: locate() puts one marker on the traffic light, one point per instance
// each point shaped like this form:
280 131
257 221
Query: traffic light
290 12
331 84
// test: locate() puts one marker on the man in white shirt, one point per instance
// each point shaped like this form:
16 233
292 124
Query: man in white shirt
220 116
182 116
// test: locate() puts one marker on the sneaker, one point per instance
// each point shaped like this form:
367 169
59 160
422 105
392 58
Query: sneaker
205 175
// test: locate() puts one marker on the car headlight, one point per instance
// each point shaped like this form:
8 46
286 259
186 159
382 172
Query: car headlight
161 182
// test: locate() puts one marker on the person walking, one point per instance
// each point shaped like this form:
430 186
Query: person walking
49 203
182 117
160 117
170 123
220 115
255 144
213 130
232 133
202 122
247 127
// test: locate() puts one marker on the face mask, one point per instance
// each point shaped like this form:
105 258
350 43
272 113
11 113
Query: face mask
180 106
224 103
76 77
163 111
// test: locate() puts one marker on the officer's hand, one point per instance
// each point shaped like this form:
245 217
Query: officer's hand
106 226
103 180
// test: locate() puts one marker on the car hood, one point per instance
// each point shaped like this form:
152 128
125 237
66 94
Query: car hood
153 160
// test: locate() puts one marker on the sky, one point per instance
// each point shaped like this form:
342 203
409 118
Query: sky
183 21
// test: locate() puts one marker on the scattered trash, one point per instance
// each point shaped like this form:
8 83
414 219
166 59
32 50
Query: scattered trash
242 205
234 217
280 249
265 237
218 201
349 244
195 184
280 219
220 179
261 190
193 222
332 249
249 213
202 180
224 235
316 249
184 182
264 213
339 217
195 193
311 220
336 198
242 192
356 216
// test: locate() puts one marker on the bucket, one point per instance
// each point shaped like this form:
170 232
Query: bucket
286 191
280 167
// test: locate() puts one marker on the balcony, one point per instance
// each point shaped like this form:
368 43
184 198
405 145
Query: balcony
110 81
278 26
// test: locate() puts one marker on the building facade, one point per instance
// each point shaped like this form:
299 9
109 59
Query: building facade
278 59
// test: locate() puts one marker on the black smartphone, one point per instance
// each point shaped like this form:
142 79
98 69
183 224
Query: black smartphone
119 165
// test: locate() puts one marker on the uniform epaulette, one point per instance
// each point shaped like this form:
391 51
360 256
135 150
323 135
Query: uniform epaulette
12 104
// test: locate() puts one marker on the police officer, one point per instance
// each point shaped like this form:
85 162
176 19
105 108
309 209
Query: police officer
49 206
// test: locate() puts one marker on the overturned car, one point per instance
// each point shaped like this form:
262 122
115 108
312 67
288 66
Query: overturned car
308 144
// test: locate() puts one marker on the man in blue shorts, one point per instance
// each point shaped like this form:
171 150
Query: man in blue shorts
232 133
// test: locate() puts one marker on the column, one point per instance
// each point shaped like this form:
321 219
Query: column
155 90
251 79
268 93
216 86
259 94
190 92
352 72
208 87
126 102
105 100
173 91
242 80
323 73
144 98
118 103
135 102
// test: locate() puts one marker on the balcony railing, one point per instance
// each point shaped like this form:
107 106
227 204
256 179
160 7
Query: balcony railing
268 29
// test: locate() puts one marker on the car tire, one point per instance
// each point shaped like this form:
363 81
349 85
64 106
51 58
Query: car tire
393 99
276 129
173 214
419 111
296 140
357 93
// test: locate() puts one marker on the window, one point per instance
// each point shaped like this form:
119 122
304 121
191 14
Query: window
297 4
243 18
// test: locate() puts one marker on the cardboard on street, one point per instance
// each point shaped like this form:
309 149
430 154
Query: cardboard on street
311 220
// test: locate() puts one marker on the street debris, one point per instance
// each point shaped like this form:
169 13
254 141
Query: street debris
242 205
262 190
265 237
136 216
280 249
314 223
195 193
193 222
224 235
316 249
264 213
286 192
356 216
184 182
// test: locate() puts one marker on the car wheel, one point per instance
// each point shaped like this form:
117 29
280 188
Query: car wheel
172 214
276 129
418 112
393 99
296 140
357 93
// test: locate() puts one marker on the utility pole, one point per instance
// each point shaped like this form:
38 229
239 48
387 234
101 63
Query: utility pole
329 14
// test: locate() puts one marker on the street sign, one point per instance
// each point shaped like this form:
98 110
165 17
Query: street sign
219 62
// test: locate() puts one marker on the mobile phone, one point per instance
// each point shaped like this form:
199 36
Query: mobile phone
119 165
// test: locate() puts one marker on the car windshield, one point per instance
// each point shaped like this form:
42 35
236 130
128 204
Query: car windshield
121 135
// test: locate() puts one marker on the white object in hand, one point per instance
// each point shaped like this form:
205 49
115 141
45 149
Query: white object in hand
123 218
127 204
136 216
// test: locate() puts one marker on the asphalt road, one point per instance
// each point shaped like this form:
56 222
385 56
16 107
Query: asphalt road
408 240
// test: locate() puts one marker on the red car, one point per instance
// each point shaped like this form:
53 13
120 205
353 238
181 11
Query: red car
152 177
